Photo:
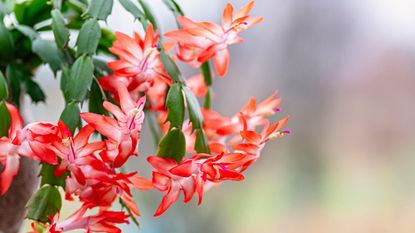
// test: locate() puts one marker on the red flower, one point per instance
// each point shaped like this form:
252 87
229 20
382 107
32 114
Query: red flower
75 151
124 131
104 221
235 144
23 142
139 60
200 41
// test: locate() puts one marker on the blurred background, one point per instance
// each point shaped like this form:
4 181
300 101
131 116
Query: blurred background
346 72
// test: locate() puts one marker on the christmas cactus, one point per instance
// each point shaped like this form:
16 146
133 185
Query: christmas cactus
123 80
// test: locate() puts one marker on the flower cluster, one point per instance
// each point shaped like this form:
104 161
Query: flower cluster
92 166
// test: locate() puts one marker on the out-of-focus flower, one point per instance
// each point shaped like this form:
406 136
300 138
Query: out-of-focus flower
139 60
103 221
197 85
9 149
200 41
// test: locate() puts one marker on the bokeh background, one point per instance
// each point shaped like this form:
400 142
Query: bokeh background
346 72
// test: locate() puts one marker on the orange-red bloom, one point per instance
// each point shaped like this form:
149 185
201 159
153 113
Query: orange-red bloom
235 145
23 142
139 60
103 221
200 41
124 131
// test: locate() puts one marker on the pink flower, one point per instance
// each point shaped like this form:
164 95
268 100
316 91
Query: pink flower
200 41
139 60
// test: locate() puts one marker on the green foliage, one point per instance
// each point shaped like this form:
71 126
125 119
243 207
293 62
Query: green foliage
27 31
31 12
196 117
193 107
80 79
6 42
4 90
207 73
46 202
20 78
88 37
96 99
148 13
34 91
48 52
60 31
70 116
5 119
175 105
174 7
173 145
48 176
201 144
171 67
135 11
100 9
107 38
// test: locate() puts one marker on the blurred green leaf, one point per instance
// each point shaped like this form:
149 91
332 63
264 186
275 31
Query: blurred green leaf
207 73
81 77
65 79
48 52
102 67
6 42
34 91
201 143
195 114
16 75
6 6
149 14
4 90
100 9
88 37
71 116
5 120
57 4
31 12
60 31
208 99
175 106
107 38
48 176
173 145
27 31
170 67
96 99
174 7
46 202
135 11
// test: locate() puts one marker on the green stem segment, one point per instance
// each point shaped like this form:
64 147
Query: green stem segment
132 217
207 75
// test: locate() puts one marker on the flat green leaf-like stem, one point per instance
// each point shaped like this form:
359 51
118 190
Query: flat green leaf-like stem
46 202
